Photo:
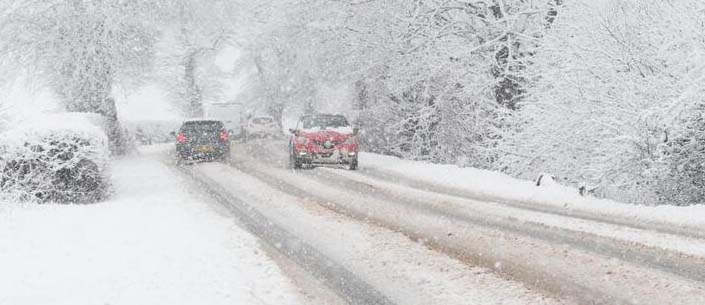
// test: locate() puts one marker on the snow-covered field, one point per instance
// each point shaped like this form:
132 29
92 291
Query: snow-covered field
155 242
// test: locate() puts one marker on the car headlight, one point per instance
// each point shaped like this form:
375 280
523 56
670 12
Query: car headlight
302 140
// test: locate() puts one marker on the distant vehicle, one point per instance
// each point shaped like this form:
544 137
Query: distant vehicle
261 127
322 139
60 158
231 114
202 139
142 137
152 132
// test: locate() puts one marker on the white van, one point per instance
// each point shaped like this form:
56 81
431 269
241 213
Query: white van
231 114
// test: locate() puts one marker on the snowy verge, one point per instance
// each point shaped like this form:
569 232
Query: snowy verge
156 242
498 186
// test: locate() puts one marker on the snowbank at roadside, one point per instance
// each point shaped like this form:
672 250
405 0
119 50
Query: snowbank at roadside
154 243
497 186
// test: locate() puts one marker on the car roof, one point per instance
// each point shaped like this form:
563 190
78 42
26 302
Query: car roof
322 115
197 120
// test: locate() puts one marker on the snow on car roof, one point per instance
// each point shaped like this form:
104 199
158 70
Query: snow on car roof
323 115
202 120
342 130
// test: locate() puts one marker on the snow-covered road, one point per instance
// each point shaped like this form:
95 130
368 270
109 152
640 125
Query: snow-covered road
577 259
254 232
402 270
158 241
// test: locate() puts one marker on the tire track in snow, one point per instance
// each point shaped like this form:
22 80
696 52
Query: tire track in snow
672 229
585 294
277 148
672 261
666 260
582 294
353 290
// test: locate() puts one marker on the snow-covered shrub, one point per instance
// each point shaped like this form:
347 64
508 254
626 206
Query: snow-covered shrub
437 121
684 182
55 158
607 83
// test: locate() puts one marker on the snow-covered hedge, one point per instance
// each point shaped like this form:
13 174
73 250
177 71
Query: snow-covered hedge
55 158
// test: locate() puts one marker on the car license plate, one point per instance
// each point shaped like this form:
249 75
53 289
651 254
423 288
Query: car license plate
205 149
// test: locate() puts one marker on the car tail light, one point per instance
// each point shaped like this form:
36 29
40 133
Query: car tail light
224 136
181 138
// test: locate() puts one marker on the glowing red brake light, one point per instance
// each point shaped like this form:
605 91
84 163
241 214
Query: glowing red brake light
224 136
181 138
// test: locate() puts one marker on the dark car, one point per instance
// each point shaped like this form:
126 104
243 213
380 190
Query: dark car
202 139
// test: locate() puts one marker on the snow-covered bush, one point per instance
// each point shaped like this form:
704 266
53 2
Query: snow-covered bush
684 182
55 158
607 84
436 121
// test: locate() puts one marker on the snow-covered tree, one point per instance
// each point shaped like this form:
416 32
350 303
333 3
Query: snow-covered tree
610 81
430 77
196 32
465 56
79 48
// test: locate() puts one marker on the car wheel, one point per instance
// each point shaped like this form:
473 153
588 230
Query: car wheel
225 158
353 165
294 162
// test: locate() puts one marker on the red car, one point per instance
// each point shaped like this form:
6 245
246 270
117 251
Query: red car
323 139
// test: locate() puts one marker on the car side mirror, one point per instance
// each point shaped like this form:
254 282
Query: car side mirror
356 130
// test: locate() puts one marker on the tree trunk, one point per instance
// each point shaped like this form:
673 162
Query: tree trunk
194 103
116 137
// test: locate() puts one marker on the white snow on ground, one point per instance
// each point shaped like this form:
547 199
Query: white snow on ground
154 243
545 263
462 206
498 185
405 271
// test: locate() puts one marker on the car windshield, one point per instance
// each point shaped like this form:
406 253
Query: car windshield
324 122
202 127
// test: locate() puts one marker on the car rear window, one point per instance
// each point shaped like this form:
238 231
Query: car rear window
202 127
